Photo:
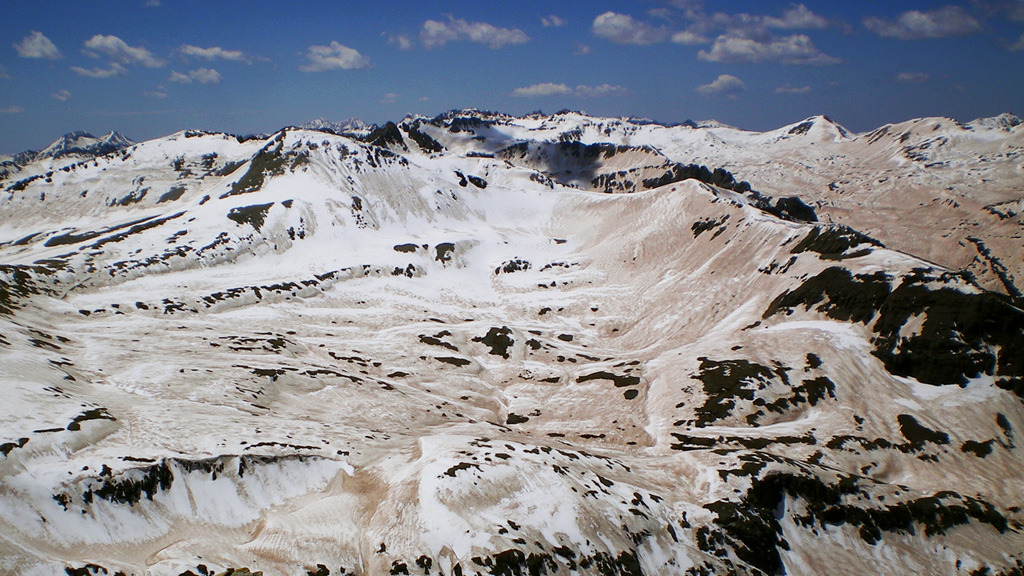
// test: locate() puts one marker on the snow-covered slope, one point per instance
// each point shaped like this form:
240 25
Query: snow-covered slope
929 186
486 344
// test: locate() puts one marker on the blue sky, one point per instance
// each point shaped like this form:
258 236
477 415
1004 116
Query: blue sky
151 67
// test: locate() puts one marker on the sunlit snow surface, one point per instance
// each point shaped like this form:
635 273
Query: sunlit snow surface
487 346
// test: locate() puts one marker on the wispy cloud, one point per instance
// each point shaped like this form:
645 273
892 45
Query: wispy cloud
796 17
793 49
579 49
558 89
213 53
542 89
159 93
3 72
552 21
35 45
115 69
120 52
400 41
912 77
725 85
1015 47
790 89
334 56
12 110
945 22
389 98
624 29
200 75
689 38
435 33
62 95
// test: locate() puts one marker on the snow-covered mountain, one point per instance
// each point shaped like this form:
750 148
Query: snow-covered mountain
486 344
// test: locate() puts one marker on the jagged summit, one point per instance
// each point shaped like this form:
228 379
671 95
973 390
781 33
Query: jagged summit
1005 122
353 126
85 144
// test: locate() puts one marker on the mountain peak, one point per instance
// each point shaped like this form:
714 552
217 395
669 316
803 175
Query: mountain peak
83 143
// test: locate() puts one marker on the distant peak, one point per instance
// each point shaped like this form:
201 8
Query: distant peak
84 143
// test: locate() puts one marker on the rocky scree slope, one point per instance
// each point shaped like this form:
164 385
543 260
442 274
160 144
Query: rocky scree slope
480 344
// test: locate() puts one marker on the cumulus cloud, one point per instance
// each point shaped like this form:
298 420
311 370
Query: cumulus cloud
115 69
726 84
552 20
212 53
333 57
200 75
689 38
120 52
553 89
790 89
912 77
35 45
796 17
542 89
12 110
400 41
159 93
435 34
793 49
62 95
945 22
624 29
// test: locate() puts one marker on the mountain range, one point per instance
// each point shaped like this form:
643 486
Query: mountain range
487 344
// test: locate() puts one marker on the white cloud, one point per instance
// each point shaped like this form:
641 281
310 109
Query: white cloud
400 41
435 34
689 38
600 90
117 50
794 49
200 75
553 89
213 53
1018 45
796 17
542 89
388 98
159 93
35 45
12 110
945 22
3 72
580 49
912 77
115 69
624 29
152 3
726 84
333 57
62 95
790 89
552 20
